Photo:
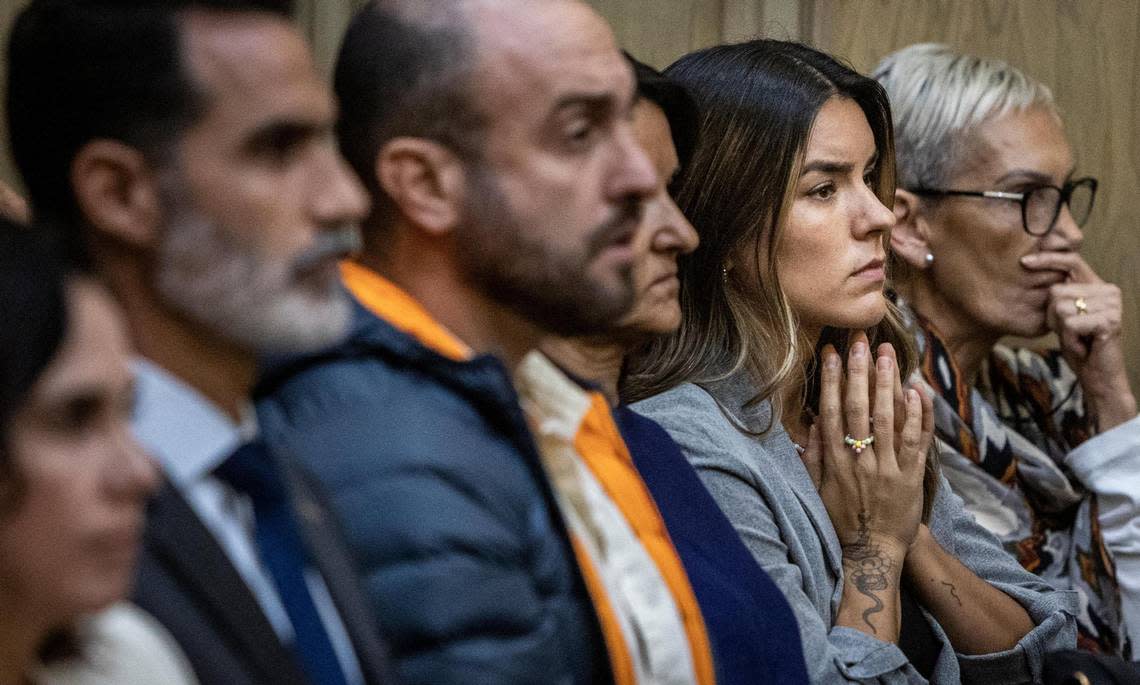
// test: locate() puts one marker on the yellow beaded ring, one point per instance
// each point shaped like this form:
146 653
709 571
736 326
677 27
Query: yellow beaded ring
858 445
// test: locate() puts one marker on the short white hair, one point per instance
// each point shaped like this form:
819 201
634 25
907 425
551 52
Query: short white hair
938 96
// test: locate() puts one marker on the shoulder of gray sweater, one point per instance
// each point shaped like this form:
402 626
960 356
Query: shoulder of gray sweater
677 406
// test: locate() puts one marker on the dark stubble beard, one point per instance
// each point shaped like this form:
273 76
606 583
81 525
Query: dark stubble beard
552 290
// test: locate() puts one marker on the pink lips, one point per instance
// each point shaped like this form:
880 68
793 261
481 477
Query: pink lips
872 270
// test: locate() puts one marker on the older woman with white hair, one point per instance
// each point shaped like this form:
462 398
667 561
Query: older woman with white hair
1043 446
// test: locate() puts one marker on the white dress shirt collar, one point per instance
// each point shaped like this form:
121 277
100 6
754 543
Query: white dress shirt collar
188 433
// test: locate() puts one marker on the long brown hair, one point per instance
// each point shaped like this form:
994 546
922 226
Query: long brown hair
758 102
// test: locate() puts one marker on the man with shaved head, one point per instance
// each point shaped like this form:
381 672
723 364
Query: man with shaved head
495 138
547 185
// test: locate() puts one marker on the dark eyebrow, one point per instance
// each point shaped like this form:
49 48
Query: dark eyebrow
828 167
282 132
585 100
833 167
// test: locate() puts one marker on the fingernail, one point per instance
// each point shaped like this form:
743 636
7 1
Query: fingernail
884 363
1029 259
859 350
832 361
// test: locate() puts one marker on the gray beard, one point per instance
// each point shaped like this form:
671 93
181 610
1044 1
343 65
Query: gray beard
241 296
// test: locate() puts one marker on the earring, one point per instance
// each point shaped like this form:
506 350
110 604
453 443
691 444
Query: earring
724 273
929 258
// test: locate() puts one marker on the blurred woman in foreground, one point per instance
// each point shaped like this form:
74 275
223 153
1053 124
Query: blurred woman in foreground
73 483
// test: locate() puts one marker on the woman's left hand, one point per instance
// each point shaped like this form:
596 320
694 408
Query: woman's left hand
1086 313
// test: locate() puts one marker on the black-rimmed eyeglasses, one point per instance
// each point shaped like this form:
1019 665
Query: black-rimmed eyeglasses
1040 205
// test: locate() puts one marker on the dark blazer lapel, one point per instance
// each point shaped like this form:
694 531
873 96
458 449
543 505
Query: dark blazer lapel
183 544
331 558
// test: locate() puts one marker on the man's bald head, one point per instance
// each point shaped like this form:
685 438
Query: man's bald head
404 70
408 68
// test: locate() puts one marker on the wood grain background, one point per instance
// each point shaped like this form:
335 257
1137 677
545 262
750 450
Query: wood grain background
1088 51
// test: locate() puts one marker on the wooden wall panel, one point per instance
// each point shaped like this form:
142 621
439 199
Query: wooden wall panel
656 31
1086 51
8 11
659 31
324 22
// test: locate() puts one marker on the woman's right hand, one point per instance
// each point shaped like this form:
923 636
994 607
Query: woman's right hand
874 497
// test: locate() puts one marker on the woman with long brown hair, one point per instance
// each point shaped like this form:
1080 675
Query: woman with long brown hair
782 385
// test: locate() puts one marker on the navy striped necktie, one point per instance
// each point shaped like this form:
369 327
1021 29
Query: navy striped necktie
252 471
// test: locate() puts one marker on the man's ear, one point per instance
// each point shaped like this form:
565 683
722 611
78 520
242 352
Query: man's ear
425 180
909 235
117 191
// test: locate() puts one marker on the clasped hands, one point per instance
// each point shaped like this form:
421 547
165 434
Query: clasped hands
875 497
875 502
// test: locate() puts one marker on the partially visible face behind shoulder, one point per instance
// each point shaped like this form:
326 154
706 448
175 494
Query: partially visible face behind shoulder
831 253
69 537
663 235
561 178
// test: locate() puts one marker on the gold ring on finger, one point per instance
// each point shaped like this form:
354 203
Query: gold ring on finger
858 445
1081 305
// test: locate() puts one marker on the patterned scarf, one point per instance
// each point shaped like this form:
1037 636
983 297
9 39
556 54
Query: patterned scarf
1004 443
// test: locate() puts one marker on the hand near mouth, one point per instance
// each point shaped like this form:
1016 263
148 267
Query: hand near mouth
1086 314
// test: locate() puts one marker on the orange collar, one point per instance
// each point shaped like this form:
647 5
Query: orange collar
388 301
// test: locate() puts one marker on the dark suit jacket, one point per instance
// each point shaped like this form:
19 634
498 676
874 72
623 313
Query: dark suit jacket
186 581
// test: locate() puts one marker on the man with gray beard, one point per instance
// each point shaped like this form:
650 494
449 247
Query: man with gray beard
186 148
